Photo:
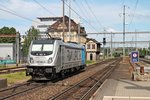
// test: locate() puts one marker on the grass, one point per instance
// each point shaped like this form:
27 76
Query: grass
2 66
90 62
15 77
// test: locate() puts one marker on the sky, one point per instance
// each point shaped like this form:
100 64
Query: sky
95 15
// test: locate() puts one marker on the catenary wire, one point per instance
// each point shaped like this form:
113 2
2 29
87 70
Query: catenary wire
89 7
133 12
13 13
81 10
43 7
80 16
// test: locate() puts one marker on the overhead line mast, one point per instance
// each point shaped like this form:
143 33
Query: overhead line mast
123 32
69 20
63 18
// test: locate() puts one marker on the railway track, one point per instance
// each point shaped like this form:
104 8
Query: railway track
85 88
15 91
98 63
145 60
23 68
20 89
12 70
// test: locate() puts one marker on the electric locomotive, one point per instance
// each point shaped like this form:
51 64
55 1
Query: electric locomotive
50 58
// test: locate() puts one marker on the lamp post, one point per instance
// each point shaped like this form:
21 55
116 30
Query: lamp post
111 51
69 20
124 33
63 20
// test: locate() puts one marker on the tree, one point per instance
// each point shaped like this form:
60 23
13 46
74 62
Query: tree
31 34
7 31
142 52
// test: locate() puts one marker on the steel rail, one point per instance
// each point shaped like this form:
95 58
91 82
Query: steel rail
32 85
145 60
105 70
15 86
12 70
96 85
1 69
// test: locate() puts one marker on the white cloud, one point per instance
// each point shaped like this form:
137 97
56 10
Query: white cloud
111 15
107 15
28 9
20 7
108 29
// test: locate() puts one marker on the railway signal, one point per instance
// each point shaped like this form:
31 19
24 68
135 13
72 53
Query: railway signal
104 41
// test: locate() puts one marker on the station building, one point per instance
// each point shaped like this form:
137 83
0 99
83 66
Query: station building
92 49
54 27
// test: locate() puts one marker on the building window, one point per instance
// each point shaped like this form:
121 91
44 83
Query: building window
88 46
93 46
98 46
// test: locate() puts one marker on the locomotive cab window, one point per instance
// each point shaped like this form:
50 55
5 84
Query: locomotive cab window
40 49
48 47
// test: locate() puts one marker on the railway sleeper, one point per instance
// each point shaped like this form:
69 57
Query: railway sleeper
94 79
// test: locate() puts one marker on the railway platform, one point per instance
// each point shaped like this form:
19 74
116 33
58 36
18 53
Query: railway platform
120 86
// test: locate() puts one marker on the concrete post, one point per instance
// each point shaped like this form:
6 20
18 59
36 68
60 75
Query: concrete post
17 48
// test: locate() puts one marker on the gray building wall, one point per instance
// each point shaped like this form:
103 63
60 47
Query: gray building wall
7 49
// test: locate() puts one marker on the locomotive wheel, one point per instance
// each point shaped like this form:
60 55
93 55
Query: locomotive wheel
72 70
62 73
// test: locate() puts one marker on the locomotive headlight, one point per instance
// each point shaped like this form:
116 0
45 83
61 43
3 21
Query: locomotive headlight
31 60
50 60
29 70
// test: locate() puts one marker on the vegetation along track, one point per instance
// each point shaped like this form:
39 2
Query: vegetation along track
85 88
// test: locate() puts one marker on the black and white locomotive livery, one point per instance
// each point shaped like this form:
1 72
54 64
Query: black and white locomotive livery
50 58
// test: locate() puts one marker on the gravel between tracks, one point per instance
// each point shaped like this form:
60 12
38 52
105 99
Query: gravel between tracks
49 91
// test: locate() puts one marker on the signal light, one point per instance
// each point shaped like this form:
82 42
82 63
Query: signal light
104 41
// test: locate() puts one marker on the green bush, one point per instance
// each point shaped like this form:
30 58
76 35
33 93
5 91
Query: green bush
89 62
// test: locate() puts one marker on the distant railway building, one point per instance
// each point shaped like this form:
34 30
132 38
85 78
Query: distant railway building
54 27
93 49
